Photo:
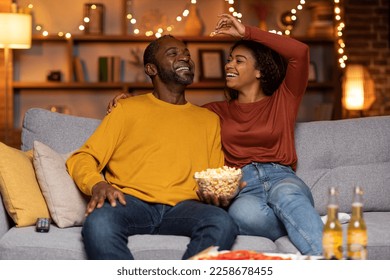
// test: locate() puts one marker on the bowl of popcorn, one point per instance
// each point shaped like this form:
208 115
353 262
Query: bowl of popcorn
222 181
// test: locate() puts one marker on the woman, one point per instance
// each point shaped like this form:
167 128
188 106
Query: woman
266 75
257 130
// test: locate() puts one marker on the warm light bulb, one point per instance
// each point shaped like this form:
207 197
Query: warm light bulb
358 88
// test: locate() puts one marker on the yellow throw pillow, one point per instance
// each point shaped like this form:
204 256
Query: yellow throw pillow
19 188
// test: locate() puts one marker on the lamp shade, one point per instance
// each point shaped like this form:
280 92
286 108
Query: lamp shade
15 30
358 88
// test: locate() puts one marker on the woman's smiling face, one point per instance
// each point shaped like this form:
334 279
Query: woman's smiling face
240 69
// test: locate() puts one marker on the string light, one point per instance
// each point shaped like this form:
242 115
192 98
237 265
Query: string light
130 17
340 25
232 10
39 28
179 19
293 17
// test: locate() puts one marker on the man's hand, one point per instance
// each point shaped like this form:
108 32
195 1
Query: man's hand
220 201
102 191
114 101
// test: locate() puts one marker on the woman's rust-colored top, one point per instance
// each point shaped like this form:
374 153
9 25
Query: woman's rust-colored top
263 131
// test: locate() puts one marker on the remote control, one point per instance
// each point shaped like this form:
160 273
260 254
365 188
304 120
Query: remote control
42 225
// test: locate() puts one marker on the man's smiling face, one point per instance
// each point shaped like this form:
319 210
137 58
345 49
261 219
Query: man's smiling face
174 62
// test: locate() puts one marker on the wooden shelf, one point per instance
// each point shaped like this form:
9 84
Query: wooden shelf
132 86
134 39
128 39
103 86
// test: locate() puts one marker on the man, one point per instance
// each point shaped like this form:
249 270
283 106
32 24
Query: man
149 148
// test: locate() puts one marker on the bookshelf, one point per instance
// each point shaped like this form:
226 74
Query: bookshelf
89 47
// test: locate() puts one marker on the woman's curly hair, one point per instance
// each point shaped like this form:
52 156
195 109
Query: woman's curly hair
272 67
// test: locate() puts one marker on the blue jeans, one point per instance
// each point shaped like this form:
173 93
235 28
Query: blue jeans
275 203
106 230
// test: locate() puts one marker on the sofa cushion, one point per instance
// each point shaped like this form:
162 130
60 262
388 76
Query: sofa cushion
65 201
27 244
345 154
19 188
63 133
378 235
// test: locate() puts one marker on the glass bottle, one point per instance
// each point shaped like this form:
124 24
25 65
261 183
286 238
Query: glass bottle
332 237
357 230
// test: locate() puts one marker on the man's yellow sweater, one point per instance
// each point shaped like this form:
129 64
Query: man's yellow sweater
150 149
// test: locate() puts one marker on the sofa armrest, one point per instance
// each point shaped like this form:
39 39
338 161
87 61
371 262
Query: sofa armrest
5 223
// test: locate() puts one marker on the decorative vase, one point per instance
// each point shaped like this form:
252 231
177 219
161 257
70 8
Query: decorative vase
194 25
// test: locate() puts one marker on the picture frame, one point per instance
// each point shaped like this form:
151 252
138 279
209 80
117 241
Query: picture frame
211 63
312 72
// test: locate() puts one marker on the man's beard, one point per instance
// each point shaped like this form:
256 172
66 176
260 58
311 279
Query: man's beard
170 76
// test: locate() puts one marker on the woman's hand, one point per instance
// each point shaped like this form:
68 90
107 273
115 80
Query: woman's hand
229 25
220 201
114 101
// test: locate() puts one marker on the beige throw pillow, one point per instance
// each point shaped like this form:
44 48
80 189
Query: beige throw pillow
66 203
19 188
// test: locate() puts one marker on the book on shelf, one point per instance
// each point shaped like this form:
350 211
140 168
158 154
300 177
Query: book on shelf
109 68
79 71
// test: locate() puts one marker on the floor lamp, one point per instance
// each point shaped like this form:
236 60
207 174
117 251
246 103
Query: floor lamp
15 33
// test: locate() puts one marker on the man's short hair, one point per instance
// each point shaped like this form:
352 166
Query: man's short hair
151 49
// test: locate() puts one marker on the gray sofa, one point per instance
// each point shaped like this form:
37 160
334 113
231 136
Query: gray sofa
341 153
